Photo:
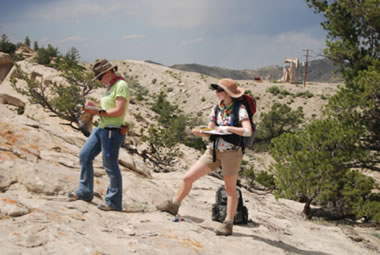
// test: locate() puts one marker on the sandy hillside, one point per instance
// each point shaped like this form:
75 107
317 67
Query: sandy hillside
39 165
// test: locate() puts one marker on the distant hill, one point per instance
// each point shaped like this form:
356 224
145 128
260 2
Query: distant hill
214 71
320 70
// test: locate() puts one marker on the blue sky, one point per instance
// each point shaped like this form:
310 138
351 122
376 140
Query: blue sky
235 34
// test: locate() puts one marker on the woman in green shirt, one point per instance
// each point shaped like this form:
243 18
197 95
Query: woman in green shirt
106 138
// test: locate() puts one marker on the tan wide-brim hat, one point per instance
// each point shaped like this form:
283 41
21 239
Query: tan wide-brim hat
101 67
230 87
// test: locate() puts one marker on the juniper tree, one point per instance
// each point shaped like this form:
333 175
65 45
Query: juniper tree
35 46
27 41
314 165
320 163
61 99
280 119
46 55
72 57
6 46
353 43
170 131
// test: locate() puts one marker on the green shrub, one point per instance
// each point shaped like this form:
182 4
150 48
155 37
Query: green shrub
285 93
305 94
72 57
265 179
20 110
195 142
6 46
309 94
139 97
279 120
27 41
174 124
45 56
249 174
274 90
35 46
249 92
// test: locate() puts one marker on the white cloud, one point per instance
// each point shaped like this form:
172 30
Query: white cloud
135 36
192 41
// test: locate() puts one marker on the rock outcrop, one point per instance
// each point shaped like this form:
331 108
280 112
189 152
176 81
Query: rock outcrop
7 99
39 165
6 63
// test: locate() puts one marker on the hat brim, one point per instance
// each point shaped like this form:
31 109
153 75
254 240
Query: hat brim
229 92
108 69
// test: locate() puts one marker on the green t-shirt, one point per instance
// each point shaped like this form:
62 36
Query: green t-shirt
108 101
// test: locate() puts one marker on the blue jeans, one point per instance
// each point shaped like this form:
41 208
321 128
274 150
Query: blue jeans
96 143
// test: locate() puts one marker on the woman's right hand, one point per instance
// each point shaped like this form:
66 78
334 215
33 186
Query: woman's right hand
197 132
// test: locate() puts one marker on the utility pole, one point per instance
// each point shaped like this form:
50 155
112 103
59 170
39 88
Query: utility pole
306 64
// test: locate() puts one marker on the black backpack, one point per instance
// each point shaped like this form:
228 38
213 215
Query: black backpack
219 209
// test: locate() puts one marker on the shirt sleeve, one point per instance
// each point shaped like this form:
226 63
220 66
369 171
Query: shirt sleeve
122 90
243 113
212 117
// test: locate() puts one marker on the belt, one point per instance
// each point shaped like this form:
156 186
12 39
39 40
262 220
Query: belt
123 129
233 148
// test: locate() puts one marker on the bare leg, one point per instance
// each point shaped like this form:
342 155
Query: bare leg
232 199
194 173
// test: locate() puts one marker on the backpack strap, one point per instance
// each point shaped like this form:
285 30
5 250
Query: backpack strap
241 202
236 121
214 138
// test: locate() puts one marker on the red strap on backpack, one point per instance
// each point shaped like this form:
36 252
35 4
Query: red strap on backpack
251 103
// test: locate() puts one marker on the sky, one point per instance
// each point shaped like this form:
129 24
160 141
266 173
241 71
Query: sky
234 34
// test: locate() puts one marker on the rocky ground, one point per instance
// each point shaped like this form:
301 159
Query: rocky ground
39 165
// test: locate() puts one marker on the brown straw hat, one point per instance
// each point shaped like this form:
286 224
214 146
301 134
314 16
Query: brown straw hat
229 87
101 67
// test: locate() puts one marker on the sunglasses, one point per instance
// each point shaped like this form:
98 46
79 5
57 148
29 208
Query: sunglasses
219 89
100 77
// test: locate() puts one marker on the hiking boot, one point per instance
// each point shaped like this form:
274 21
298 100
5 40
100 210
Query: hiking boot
168 206
225 229
74 197
105 207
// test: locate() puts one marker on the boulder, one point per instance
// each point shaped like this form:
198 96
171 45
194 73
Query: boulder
11 207
6 64
25 51
7 99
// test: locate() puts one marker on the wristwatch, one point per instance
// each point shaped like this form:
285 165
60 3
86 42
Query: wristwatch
101 111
